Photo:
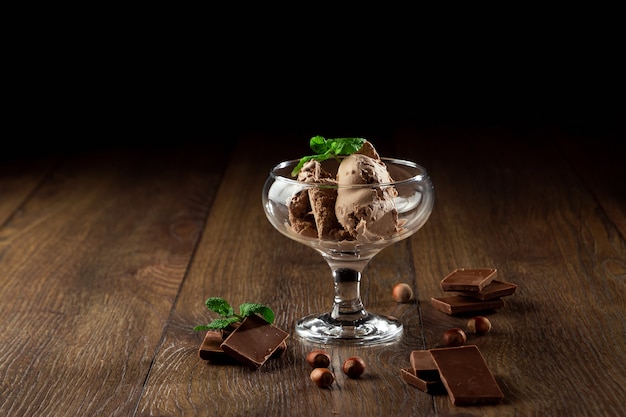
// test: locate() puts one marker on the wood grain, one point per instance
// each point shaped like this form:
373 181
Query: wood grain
90 268
18 179
107 257
526 214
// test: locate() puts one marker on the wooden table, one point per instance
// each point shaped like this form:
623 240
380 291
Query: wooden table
108 254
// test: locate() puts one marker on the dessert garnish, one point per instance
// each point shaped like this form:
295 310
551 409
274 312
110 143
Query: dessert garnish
329 148
228 316
248 337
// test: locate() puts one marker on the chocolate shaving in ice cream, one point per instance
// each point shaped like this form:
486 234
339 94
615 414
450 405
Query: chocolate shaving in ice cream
323 202
368 150
312 211
301 215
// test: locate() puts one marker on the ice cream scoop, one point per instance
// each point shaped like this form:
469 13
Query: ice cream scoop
367 213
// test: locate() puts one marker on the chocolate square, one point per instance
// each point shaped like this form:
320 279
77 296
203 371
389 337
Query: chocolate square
496 289
254 341
468 279
455 304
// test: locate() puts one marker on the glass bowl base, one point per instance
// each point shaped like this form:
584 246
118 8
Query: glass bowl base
374 329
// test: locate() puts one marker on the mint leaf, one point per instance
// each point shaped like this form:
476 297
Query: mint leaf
328 148
228 316
222 323
249 308
301 163
347 146
319 144
220 306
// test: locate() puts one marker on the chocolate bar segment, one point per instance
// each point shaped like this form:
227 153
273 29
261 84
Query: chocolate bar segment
455 304
430 387
496 289
280 350
466 279
424 366
210 349
254 341
465 375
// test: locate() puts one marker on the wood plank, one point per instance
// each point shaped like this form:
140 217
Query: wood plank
106 260
18 178
599 158
510 200
90 268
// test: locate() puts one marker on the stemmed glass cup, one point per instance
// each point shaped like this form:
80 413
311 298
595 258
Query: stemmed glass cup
348 321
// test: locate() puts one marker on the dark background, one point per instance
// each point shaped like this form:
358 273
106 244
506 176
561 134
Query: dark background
156 83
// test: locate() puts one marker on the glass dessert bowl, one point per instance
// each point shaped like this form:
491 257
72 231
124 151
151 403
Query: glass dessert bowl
348 222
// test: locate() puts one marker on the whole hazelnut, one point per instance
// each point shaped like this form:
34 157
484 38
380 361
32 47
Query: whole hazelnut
454 337
353 367
402 293
322 377
318 359
479 325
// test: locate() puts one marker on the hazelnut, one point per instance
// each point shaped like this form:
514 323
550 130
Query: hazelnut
479 325
353 367
322 377
454 337
318 359
402 293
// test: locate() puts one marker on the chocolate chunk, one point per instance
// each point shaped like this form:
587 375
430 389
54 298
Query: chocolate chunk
454 304
280 350
494 290
424 366
210 349
430 387
465 375
465 279
254 341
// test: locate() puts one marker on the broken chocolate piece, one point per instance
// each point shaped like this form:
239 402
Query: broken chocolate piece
465 375
424 366
280 350
494 290
254 341
454 304
466 279
430 387
210 349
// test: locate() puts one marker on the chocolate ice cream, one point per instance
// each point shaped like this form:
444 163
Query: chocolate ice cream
339 212
367 213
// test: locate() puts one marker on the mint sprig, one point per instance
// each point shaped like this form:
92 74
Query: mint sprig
228 316
329 148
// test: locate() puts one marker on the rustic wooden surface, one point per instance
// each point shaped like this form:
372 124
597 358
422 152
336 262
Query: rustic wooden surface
107 256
